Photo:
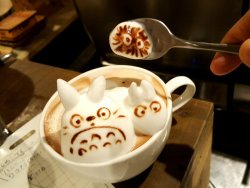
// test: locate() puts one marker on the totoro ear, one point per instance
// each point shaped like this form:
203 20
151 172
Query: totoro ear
68 95
148 90
97 88
134 94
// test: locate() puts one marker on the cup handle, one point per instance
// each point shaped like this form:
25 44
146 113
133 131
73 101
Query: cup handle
186 95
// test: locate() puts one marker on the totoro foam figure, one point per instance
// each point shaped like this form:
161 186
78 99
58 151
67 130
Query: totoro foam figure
95 127
147 110
130 39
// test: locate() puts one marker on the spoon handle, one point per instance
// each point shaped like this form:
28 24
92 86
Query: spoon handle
225 48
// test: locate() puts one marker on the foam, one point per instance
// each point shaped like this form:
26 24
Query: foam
130 39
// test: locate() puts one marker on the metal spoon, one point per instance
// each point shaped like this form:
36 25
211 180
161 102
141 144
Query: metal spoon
163 40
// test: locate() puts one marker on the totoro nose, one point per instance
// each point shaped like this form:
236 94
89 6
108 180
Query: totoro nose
90 118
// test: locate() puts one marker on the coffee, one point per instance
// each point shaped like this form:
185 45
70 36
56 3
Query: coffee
118 85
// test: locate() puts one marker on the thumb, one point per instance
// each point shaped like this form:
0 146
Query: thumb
245 52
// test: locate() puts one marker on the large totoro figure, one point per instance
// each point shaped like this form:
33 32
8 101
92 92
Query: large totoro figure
95 128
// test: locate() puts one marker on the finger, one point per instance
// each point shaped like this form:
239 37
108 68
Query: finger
239 32
245 52
224 63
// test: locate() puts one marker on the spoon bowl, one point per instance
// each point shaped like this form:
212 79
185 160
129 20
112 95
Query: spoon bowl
161 40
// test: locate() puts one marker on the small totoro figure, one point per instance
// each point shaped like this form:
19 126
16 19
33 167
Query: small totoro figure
95 127
148 110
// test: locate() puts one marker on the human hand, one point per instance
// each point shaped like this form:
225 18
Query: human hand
239 34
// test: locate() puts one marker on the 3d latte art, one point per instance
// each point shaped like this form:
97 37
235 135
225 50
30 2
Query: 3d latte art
101 124
130 40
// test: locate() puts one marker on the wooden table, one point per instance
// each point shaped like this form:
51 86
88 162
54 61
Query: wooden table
26 86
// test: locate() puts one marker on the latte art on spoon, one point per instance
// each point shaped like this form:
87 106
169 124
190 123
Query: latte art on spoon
130 39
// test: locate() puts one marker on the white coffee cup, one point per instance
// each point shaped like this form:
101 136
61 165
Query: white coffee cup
134 162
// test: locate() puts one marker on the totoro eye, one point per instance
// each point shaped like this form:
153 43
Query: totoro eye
139 43
127 39
140 111
155 106
103 113
76 120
